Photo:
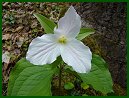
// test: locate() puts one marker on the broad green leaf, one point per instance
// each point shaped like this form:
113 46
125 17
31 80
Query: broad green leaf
47 24
69 86
99 77
27 79
84 32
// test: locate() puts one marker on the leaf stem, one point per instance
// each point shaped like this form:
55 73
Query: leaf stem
60 77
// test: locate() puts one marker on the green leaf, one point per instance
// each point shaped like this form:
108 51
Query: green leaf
69 86
99 77
47 24
84 86
84 32
27 79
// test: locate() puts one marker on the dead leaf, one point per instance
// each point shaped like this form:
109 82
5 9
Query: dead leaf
7 29
5 4
8 47
17 51
6 57
5 36
20 42
19 28
19 21
34 24
5 66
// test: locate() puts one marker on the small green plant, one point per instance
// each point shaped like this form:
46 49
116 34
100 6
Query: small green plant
59 50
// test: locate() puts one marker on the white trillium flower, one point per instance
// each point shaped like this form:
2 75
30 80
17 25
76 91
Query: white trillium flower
45 49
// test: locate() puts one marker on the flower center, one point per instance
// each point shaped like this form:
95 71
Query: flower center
62 40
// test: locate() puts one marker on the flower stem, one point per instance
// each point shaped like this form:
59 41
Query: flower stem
60 76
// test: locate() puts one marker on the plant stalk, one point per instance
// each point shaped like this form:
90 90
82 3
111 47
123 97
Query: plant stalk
60 76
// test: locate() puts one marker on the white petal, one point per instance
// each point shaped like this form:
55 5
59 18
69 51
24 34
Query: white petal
70 24
77 55
43 50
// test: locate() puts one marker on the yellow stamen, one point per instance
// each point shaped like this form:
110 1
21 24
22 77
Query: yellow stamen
62 40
